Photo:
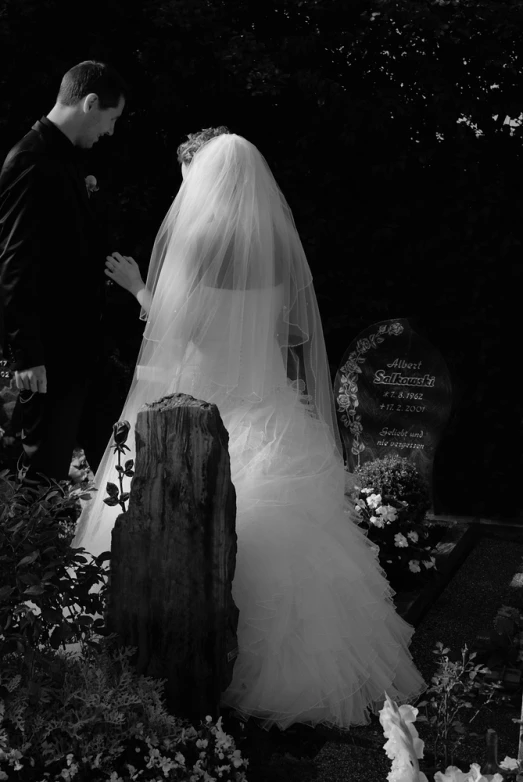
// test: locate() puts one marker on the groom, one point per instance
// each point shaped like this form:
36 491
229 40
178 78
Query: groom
52 257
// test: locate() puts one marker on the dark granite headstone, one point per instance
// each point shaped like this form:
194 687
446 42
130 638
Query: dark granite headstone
393 396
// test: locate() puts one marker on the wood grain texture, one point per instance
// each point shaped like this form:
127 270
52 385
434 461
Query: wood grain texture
174 554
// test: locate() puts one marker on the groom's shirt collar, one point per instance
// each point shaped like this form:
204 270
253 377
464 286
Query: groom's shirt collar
60 141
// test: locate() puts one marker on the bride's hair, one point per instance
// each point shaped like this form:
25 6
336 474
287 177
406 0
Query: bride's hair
195 141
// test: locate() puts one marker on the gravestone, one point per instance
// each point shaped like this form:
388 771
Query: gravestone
393 396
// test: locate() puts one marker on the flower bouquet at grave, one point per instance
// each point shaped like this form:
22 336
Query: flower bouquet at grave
390 500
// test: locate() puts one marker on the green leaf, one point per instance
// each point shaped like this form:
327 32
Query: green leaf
29 559
29 579
111 501
52 615
5 592
84 620
112 489
34 590
55 638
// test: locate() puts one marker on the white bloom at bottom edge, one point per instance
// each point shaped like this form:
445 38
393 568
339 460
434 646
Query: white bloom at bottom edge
455 774
510 764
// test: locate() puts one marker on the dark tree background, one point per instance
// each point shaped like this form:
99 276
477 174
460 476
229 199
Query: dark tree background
385 124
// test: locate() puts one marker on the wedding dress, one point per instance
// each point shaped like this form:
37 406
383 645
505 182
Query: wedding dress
319 639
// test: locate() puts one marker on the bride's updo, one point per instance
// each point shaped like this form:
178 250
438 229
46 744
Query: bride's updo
195 141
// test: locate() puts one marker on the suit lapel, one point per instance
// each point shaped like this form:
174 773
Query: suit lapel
62 147
80 186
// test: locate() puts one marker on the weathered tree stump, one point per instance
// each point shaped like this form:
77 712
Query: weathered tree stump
174 555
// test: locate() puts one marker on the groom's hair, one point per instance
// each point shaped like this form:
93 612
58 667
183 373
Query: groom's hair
195 141
91 76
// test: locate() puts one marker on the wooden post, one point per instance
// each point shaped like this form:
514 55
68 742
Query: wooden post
174 554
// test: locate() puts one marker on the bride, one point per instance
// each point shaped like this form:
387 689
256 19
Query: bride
232 318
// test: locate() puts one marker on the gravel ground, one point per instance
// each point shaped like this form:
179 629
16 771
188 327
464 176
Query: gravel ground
487 579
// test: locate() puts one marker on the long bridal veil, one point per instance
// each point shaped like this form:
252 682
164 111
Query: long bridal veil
233 307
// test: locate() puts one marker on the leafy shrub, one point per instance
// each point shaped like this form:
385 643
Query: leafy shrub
45 599
453 701
102 721
391 501
395 478
87 716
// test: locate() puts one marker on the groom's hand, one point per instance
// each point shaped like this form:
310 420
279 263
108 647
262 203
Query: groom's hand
32 379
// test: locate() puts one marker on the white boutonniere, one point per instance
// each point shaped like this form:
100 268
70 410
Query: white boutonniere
91 185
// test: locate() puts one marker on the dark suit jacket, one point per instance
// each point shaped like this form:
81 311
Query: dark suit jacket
52 255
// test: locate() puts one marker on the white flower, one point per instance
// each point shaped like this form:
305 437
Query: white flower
367 491
377 521
414 567
431 563
400 540
237 759
374 500
413 536
510 764
388 513
91 184
454 774
404 747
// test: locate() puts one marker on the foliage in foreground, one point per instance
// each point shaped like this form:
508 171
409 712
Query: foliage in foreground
100 720
87 715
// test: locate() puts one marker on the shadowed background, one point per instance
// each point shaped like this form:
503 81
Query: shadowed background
385 126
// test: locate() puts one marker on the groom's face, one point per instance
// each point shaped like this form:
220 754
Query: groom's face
98 122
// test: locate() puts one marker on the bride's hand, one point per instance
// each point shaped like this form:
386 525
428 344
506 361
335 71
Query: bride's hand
124 270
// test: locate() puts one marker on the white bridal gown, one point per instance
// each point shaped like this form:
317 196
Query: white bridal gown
319 639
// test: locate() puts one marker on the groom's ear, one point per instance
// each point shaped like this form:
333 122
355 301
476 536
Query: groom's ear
90 102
